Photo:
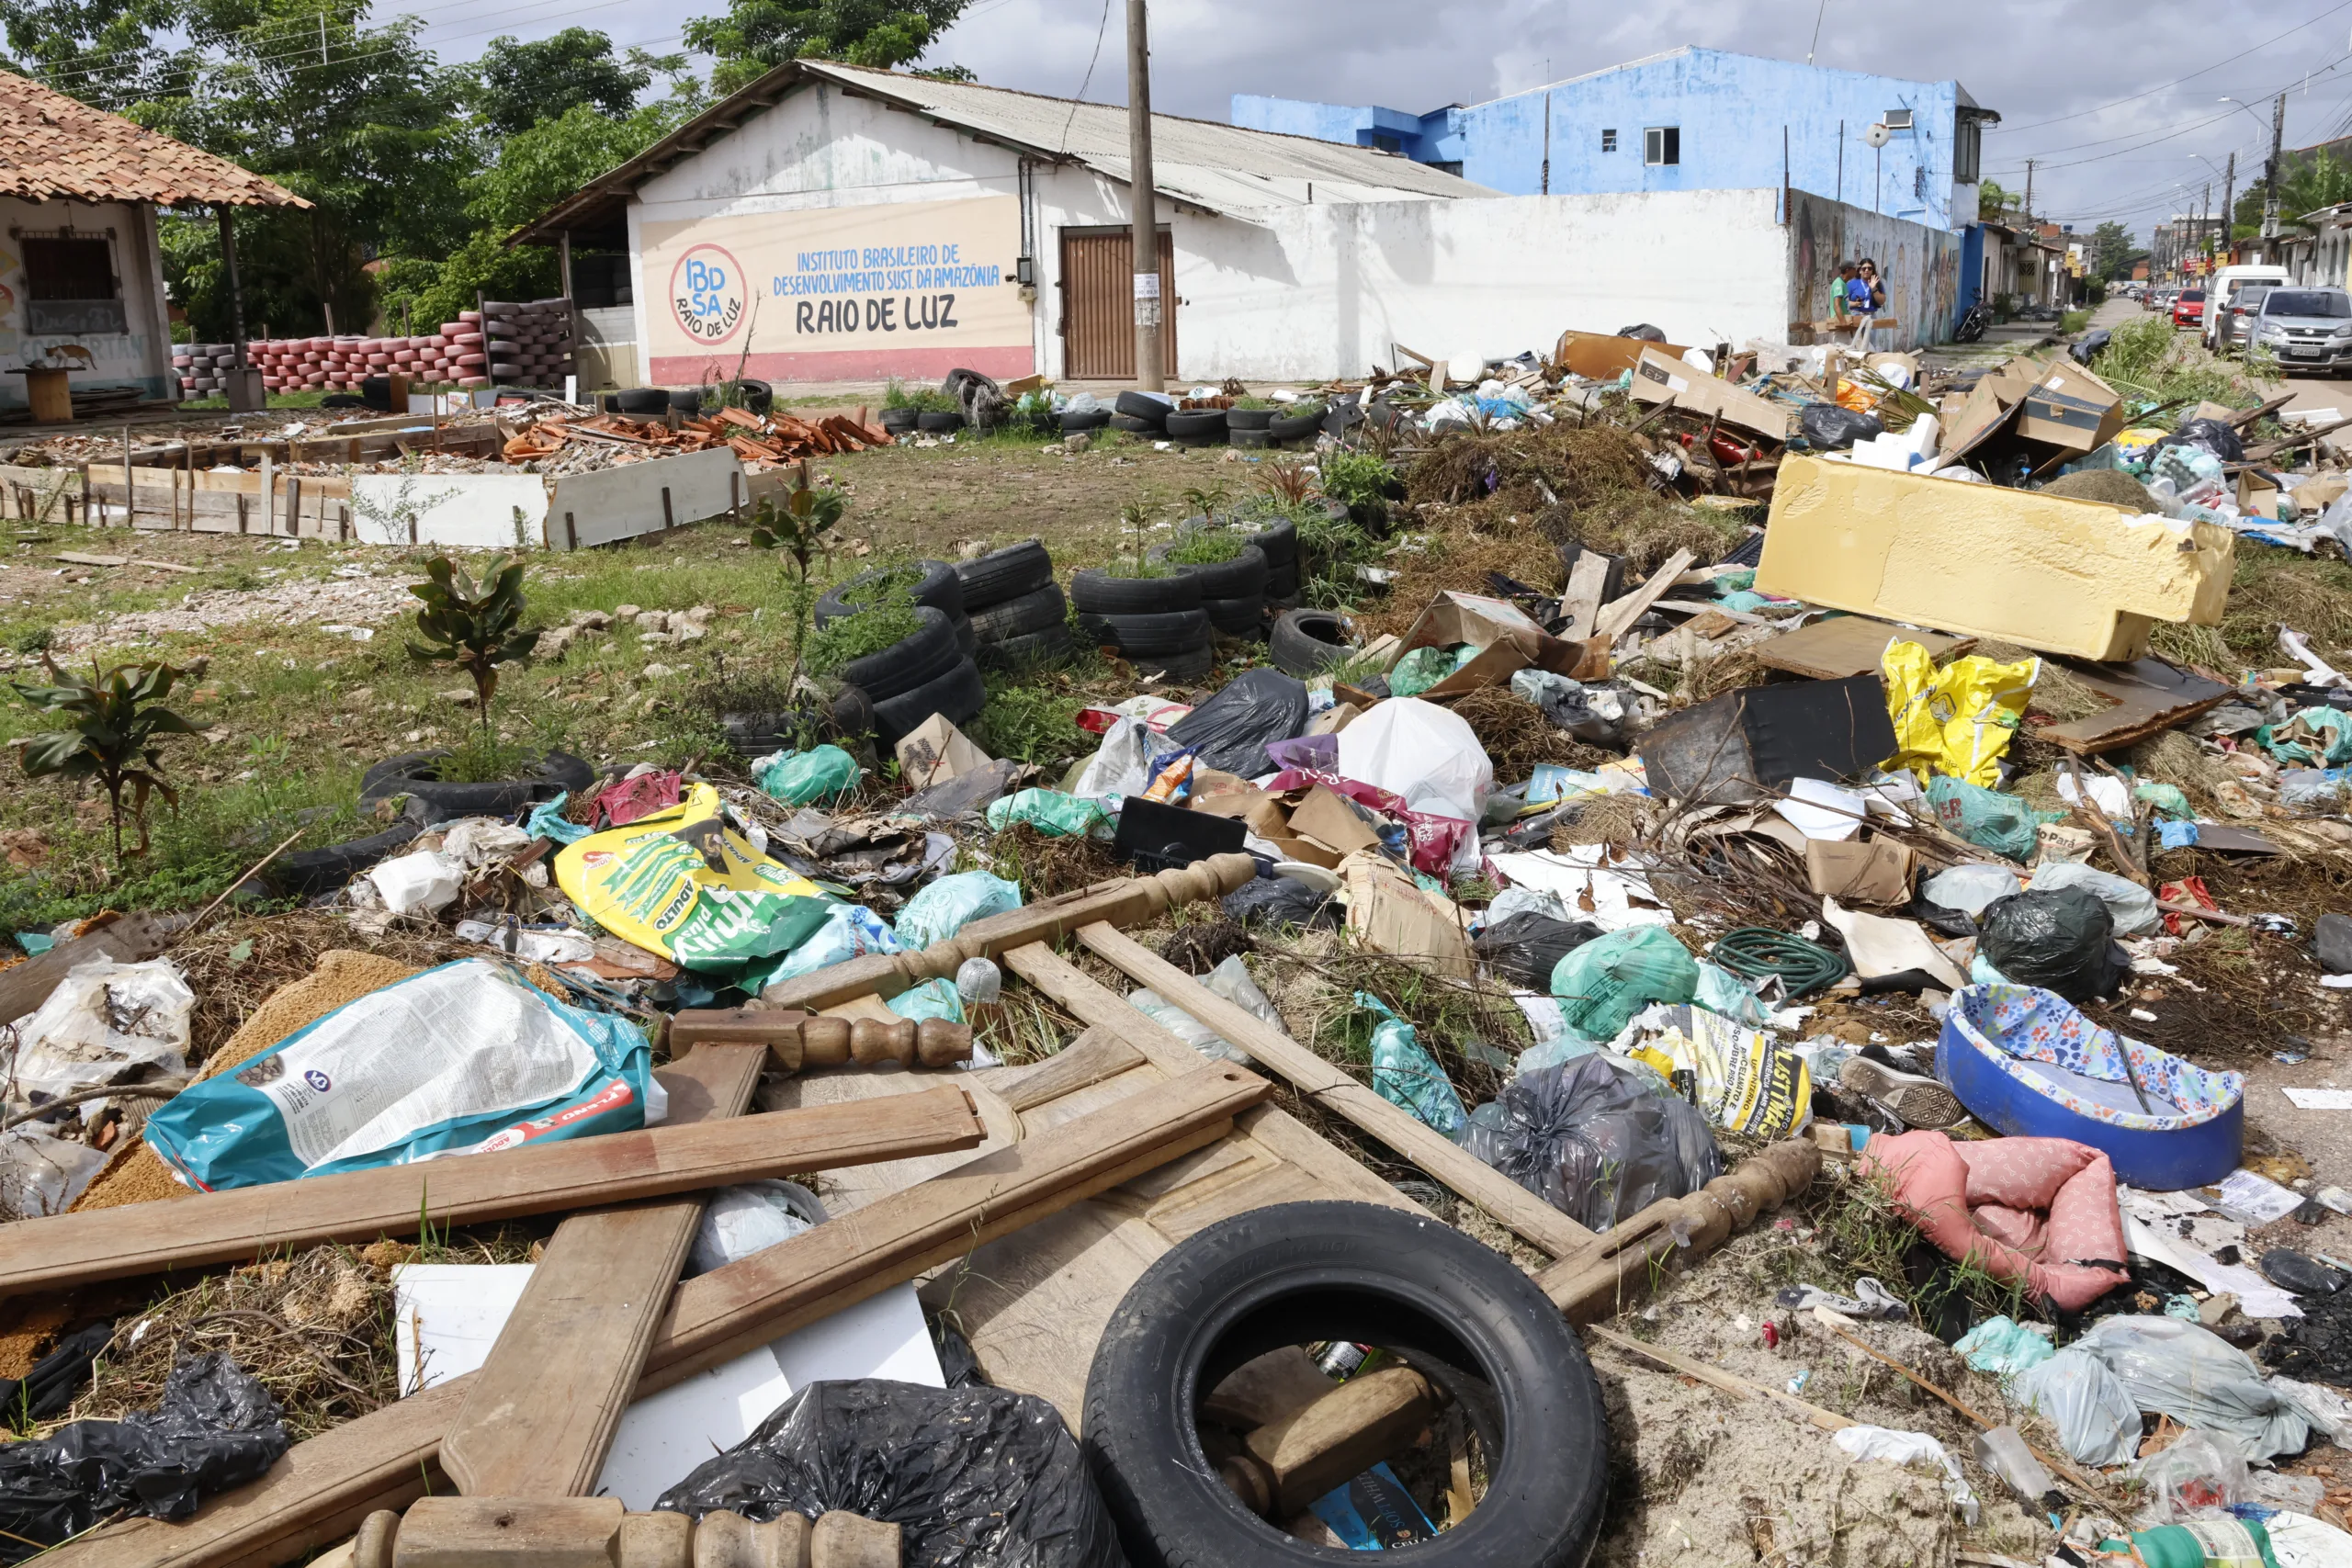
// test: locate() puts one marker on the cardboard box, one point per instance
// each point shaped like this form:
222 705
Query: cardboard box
1854 871
1507 639
1658 376
1324 818
1598 357
2071 409
1388 912
1989 406
1265 816
936 751
1334 719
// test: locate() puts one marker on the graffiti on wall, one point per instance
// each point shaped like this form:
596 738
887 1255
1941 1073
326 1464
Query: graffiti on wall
1919 265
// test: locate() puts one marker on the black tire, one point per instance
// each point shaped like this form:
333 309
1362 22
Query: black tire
1278 544
1282 582
959 694
1052 646
1237 617
641 401
1249 419
1000 575
938 423
898 422
967 639
1296 428
1456 1312
306 873
1196 424
849 716
411 774
939 588
1174 631
1243 577
757 396
1134 426
1081 423
1308 642
909 662
1192 664
1030 614
1250 440
1153 411
688 403
1099 593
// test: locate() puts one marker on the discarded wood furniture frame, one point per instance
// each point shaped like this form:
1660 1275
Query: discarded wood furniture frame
572 1532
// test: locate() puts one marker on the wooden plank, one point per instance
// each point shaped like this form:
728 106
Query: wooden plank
542 1411
2148 696
1097 1054
63 1250
1619 614
319 1492
1846 645
132 940
1522 1211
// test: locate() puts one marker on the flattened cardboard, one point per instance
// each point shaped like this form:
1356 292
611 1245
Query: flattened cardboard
1265 817
1334 719
1598 357
937 752
1855 872
1508 638
1658 376
1389 913
1326 818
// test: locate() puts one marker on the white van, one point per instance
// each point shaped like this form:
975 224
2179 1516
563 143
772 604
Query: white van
2221 292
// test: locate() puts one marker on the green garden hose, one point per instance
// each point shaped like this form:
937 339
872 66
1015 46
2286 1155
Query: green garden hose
1753 952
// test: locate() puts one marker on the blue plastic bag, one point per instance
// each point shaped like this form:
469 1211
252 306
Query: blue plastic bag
462 1059
950 904
1405 1075
932 999
546 821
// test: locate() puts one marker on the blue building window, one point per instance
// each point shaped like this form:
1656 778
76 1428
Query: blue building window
1381 142
1662 145
1609 141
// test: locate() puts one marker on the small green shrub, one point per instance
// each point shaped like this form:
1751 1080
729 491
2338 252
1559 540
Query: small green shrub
884 625
115 724
890 582
1213 547
483 758
1251 401
1029 723
1356 478
896 396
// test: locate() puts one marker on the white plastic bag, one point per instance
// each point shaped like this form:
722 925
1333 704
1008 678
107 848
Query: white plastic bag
478 841
1428 754
2201 1470
2097 1424
103 1019
2188 1372
1910 1447
42 1175
738 1221
1969 887
421 883
1131 754
1230 980
2133 906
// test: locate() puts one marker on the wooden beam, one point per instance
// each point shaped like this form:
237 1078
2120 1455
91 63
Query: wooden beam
1522 1211
65 1250
1342 1435
1619 614
322 1489
23 986
542 1411
1715 1377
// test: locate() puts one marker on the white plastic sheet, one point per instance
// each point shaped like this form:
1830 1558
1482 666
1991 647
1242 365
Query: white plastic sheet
103 1019
1421 752
2097 1424
2188 1372
1907 1449
423 883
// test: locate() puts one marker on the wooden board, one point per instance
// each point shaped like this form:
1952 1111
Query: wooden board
622 503
132 940
2150 696
541 1412
1843 646
1513 1206
64 1251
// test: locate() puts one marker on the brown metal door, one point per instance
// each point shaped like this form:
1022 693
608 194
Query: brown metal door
1099 305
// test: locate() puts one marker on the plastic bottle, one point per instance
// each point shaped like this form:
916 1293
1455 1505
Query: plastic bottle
2203 1543
2003 1452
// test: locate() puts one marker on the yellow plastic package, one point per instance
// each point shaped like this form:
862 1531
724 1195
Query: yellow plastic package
1744 1079
1958 720
648 882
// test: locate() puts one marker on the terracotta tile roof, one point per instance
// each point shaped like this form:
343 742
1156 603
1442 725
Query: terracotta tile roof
51 146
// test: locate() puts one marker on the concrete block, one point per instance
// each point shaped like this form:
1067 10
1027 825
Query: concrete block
2042 571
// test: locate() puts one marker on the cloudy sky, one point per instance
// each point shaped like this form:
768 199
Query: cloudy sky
2097 91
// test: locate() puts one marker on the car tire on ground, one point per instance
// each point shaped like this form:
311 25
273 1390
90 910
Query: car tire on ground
1029 613
1080 424
688 401
1052 646
1237 617
1308 642
1249 419
641 401
939 588
305 873
939 422
1005 575
1250 440
1296 428
1153 411
967 639
1452 1309
898 422
958 694
1134 426
1196 424
1243 577
913 661
1278 544
411 774
1174 631
1096 592
1282 582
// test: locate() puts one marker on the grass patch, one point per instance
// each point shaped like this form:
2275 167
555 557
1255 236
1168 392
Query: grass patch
2073 321
2149 360
1207 548
890 581
1031 724
483 758
884 625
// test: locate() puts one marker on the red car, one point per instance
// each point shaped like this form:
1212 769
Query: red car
2188 308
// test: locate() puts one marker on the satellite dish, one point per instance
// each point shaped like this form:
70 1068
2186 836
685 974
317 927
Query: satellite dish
1878 136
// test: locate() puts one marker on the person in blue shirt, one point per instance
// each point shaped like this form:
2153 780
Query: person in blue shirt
1861 300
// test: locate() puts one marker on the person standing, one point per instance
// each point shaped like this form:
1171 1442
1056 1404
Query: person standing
1864 297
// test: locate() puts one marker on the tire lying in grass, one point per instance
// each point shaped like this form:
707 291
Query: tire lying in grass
1249 419
957 694
306 873
1019 617
1082 423
1004 574
1308 642
1452 1310
938 587
1190 666
1153 411
1296 428
847 717
898 422
1196 424
1237 617
642 402
943 423
1283 583
1134 426
968 640
1242 576
1278 544
1169 631
1251 440
1029 651
913 661
1098 592
413 773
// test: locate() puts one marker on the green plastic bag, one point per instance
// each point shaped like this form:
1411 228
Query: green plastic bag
1604 983
2170 803
2314 738
804 778
1988 819
932 999
1425 667
1049 811
1405 1075
948 904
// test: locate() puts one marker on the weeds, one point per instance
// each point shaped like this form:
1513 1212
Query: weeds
884 622
1030 724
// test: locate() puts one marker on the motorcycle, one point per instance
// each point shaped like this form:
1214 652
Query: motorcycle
1972 324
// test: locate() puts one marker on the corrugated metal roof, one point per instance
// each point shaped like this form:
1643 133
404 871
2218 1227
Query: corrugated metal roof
51 146
1218 168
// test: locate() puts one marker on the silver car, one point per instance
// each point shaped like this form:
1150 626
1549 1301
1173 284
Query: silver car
2307 329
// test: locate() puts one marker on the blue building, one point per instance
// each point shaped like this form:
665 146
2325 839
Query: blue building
1688 120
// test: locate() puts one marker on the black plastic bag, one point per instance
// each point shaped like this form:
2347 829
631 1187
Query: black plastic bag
56 1378
1526 947
2061 939
1230 730
1282 901
1827 427
2290 1270
2210 434
1644 332
2090 347
1594 1140
216 1428
975 1477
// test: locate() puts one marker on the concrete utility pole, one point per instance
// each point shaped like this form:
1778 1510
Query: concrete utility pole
2027 214
1151 374
2229 198
2271 179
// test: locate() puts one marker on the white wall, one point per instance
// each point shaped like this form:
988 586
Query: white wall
141 353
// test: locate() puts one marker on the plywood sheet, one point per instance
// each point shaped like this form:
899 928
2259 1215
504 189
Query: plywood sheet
631 499
1843 646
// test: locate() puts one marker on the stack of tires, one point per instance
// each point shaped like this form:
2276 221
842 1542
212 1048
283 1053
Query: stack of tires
1141 413
1279 545
1250 429
1017 613
1233 592
1153 623
931 671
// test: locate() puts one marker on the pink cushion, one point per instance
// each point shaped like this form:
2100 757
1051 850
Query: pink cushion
2042 1211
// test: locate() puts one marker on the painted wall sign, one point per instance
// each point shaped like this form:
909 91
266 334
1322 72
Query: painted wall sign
900 288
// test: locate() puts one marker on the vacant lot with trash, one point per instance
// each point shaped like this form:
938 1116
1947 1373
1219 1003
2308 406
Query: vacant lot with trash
1641 954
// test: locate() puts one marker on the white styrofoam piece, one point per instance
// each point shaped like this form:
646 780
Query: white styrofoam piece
1820 809
452 1312
470 511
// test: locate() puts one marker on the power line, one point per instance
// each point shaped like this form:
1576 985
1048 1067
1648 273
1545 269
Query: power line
2266 43
1100 27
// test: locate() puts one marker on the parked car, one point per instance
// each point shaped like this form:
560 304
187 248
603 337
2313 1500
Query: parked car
2233 320
2188 307
2221 291
2308 329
